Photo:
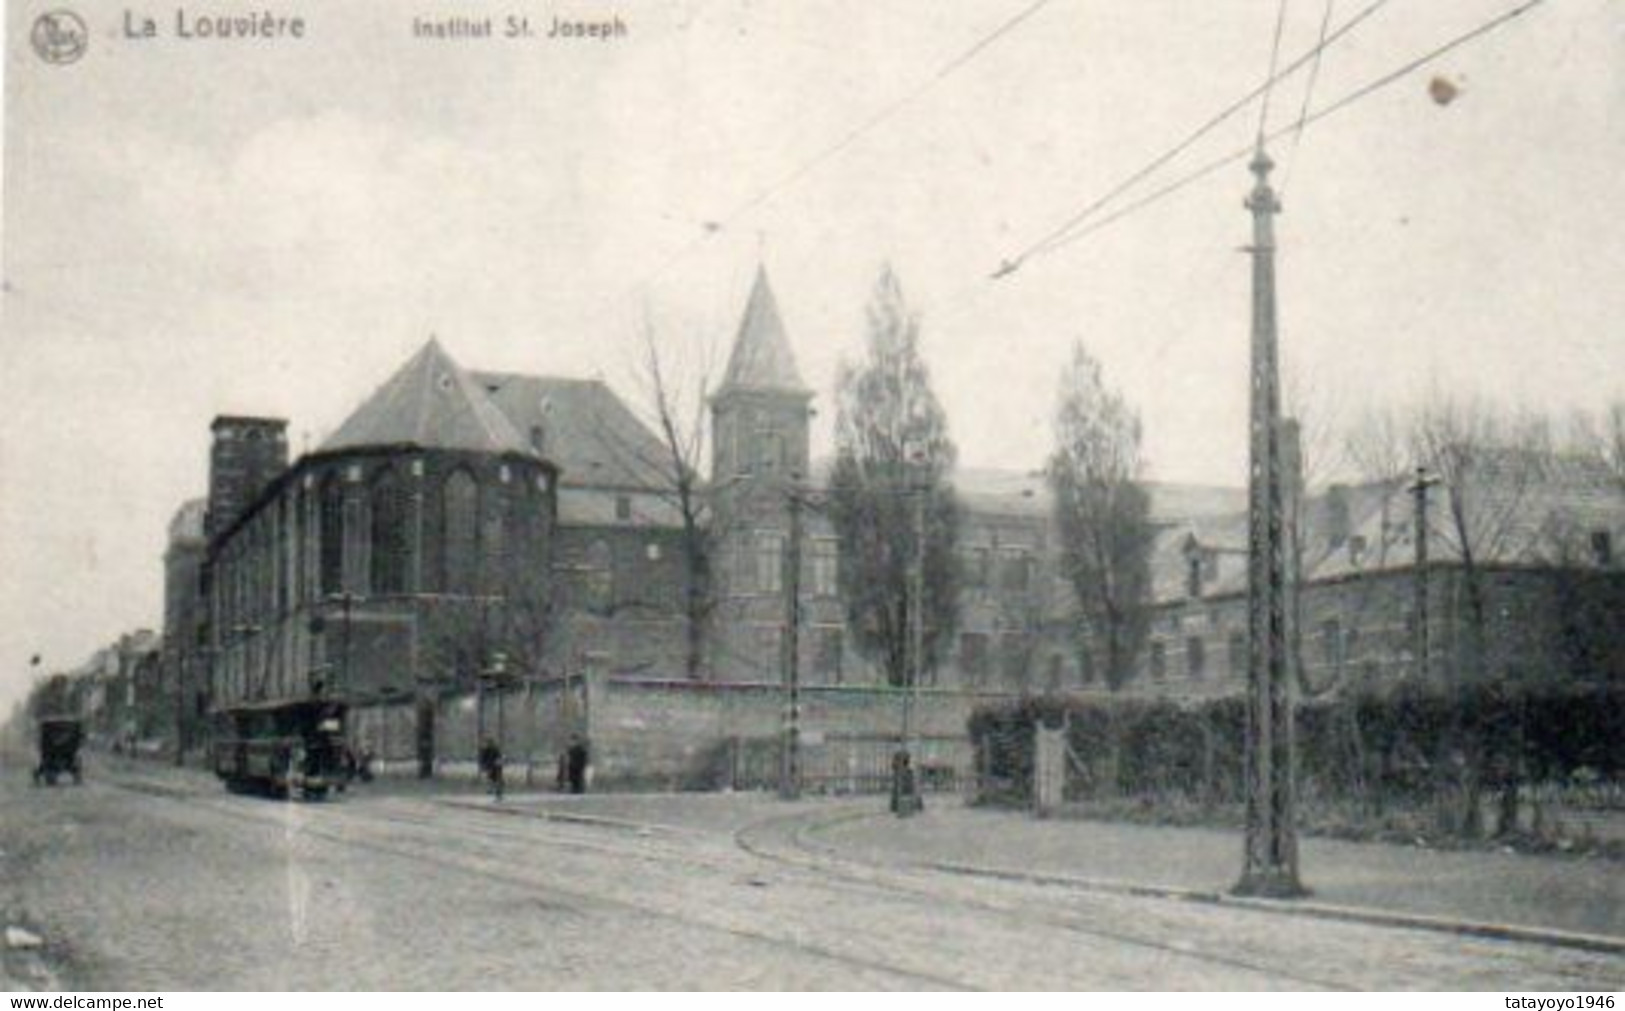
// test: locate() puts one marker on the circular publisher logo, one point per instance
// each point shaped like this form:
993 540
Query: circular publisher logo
59 37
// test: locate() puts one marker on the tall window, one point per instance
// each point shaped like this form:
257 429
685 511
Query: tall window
330 507
769 562
459 535
973 656
298 520
1086 664
827 655
390 542
493 542
1238 655
770 444
1159 660
825 567
1331 644
978 568
1195 657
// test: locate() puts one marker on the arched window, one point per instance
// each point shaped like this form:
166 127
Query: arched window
493 542
391 545
600 575
330 522
459 537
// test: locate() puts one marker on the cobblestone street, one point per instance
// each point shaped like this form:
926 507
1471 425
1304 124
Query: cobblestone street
149 878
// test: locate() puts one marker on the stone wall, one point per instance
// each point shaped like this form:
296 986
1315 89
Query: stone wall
694 735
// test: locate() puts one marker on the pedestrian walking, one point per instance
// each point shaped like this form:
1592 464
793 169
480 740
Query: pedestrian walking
490 759
576 761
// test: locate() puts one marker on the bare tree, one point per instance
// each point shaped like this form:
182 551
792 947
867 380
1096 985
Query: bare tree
890 486
679 417
1487 466
1103 513
672 398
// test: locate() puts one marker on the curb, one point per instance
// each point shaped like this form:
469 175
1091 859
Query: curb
1317 910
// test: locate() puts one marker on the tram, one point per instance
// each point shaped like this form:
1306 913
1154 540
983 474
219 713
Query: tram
59 741
282 748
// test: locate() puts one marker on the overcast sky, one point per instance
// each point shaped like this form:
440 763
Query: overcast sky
194 228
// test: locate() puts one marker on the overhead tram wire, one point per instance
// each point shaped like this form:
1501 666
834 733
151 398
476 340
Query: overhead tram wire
1303 109
812 164
1340 104
1011 264
1269 79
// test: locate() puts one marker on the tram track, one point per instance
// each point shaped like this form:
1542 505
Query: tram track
931 890
803 854
547 851
502 869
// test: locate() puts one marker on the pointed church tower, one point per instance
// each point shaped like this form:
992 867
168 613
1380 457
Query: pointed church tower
759 438
759 413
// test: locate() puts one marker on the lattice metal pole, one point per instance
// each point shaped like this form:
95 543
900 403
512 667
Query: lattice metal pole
790 755
1271 855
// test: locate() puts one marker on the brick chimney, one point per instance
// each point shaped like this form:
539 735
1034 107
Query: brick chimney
247 454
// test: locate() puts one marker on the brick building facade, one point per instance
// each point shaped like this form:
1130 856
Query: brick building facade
391 564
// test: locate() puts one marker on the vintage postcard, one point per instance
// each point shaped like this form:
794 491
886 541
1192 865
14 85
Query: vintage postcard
857 494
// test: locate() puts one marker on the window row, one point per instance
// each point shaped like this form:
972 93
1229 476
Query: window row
339 537
761 569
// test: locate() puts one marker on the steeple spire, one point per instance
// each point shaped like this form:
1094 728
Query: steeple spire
761 357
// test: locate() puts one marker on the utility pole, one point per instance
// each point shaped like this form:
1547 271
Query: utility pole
1419 489
916 611
905 778
1270 865
790 754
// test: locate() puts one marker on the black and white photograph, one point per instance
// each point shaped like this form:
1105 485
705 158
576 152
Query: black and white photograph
813 495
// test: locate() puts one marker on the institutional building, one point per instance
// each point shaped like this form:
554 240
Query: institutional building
475 552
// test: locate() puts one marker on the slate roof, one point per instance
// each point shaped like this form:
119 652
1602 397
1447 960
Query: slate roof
583 427
433 404
761 358
1365 528
1018 492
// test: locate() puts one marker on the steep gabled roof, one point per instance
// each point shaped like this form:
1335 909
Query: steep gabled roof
761 358
433 404
583 428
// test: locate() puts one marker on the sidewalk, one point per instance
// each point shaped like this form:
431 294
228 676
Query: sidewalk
1567 894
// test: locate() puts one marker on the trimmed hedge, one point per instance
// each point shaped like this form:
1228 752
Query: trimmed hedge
1407 743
